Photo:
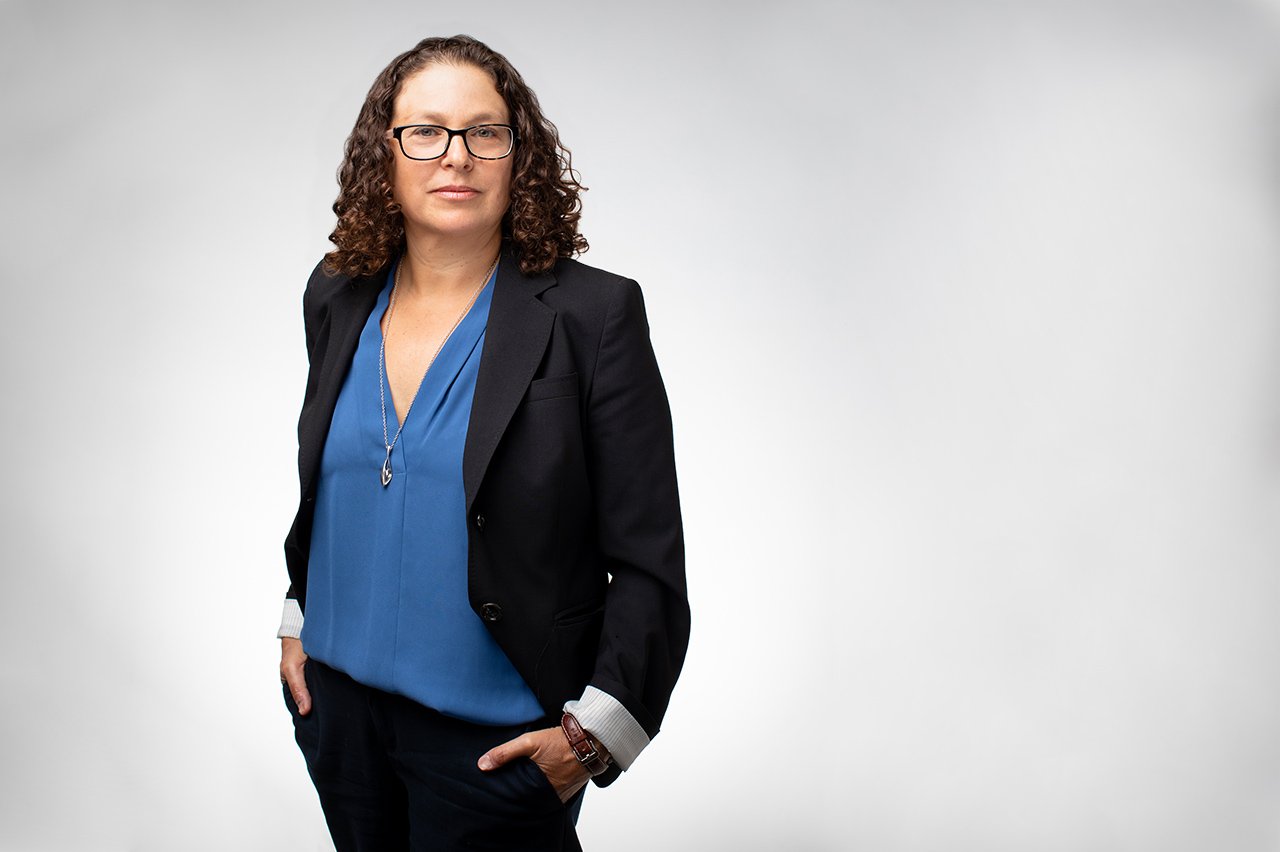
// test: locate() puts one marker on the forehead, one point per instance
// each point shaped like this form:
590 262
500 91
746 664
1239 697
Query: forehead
455 95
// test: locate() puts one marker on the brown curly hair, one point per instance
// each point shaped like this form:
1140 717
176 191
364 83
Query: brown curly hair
542 221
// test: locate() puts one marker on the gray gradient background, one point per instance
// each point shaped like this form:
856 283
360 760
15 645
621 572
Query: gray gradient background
971 340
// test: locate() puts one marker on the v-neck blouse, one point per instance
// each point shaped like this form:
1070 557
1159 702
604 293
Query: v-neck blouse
387 578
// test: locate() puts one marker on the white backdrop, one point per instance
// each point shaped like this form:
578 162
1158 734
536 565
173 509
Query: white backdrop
971 338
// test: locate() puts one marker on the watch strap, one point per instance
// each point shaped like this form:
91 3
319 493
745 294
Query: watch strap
583 749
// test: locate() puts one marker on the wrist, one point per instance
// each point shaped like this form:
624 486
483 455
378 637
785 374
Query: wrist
589 751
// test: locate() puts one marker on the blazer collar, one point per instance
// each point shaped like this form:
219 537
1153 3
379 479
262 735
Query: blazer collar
515 339
349 308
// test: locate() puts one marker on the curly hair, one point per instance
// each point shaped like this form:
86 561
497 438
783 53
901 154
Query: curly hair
542 220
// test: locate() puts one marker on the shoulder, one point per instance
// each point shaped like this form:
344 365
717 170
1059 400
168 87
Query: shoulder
592 292
324 288
602 310
574 273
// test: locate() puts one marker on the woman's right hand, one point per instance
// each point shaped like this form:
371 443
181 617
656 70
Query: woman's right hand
292 658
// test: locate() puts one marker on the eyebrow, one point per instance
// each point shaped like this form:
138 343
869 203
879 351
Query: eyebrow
437 118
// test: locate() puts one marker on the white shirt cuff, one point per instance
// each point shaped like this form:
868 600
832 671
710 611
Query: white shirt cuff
604 717
291 621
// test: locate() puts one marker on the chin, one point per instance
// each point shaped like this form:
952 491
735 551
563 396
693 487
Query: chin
456 226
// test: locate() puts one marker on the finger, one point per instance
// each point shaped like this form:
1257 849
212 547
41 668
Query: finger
292 671
572 790
521 746
297 683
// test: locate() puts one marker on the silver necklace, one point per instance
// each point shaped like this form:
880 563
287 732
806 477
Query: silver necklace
382 354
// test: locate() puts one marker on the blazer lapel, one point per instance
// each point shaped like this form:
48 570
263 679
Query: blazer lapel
515 339
348 311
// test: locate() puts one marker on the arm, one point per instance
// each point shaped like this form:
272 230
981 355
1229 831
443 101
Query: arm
292 657
638 528
632 461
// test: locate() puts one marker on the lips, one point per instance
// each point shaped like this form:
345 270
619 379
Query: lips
456 191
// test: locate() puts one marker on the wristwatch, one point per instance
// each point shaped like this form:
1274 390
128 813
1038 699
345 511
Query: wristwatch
583 748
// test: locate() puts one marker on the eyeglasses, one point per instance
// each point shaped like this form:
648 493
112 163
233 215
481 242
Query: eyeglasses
431 141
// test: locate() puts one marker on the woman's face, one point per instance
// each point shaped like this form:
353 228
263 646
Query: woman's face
456 195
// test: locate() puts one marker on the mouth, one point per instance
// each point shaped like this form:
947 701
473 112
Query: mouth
456 191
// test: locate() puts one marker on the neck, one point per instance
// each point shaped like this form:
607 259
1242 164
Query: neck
434 267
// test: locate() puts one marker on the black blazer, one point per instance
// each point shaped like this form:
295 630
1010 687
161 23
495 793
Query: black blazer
576 552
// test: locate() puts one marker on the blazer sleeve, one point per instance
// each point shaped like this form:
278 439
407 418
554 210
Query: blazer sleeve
632 460
312 317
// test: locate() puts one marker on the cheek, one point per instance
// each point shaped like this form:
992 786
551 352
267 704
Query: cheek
399 182
408 180
505 189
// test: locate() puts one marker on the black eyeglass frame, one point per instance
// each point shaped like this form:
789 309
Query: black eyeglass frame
395 133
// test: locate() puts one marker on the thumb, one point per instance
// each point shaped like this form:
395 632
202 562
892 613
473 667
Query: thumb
493 758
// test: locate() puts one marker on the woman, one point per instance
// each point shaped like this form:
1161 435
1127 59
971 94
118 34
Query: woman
488 546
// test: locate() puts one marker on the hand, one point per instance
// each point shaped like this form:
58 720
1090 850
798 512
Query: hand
549 749
291 659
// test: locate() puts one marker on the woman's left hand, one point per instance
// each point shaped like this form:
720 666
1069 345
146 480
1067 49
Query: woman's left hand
550 751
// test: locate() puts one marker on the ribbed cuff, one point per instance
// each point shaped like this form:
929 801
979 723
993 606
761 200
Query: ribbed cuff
604 717
290 620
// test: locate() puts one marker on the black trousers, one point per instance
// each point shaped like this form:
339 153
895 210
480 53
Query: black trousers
395 775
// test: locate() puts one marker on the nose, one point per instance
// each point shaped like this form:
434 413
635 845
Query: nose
456 153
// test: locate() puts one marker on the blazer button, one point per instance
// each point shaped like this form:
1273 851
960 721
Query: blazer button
480 522
491 612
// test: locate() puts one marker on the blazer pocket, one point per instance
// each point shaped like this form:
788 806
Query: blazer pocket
578 613
553 387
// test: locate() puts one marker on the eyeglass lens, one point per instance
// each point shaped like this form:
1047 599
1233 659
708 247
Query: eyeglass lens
427 141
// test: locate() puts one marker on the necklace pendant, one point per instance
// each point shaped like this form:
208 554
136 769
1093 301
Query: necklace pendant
386 470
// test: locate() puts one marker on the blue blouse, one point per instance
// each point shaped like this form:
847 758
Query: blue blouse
387 578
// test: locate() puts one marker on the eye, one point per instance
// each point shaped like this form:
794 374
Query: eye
483 132
425 131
